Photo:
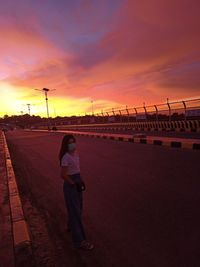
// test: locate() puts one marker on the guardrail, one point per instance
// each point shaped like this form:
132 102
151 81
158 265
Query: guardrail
170 111
185 110
181 110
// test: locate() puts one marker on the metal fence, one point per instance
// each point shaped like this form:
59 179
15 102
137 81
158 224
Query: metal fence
185 110
170 111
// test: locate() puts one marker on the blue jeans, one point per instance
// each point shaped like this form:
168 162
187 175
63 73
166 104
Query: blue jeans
74 204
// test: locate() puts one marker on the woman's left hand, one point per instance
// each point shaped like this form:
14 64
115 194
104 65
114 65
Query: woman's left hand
81 186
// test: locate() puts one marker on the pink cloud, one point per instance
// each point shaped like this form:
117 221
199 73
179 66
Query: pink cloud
149 52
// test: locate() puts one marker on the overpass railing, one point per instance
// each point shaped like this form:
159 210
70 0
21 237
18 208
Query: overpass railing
184 110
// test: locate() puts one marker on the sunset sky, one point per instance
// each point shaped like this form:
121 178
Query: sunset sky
114 52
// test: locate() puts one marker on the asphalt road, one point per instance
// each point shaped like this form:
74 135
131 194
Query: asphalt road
141 207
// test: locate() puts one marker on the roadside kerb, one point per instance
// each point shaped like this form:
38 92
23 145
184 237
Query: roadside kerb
162 141
21 236
173 142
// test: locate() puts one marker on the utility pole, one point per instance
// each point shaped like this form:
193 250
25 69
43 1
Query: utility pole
46 90
29 109
169 109
92 107
46 98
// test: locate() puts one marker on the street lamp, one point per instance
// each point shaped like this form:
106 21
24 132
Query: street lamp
92 107
46 90
169 107
29 109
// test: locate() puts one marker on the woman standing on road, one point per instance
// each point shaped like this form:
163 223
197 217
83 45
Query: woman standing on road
72 188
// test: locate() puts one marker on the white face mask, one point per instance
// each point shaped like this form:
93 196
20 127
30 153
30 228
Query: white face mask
72 147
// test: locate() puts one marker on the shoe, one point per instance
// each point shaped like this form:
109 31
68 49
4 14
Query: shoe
85 245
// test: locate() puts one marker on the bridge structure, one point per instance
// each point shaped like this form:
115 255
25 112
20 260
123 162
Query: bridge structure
171 116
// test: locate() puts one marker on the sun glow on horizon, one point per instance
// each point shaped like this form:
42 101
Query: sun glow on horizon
14 101
9 101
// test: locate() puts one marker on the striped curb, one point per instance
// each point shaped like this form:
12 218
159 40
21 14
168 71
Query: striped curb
150 141
157 141
21 235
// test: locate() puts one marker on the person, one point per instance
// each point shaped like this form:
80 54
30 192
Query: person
73 188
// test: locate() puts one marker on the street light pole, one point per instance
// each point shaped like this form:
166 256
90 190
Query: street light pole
29 109
92 107
169 109
46 90
46 98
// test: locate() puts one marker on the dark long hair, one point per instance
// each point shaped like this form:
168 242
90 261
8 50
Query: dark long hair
64 145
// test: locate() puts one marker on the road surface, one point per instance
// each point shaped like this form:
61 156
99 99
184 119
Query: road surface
141 207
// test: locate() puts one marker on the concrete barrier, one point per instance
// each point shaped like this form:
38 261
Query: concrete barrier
178 126
21 235
173 142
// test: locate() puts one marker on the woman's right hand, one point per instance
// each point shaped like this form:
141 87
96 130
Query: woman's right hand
65 175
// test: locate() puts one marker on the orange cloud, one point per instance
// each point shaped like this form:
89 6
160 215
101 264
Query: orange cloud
145 51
